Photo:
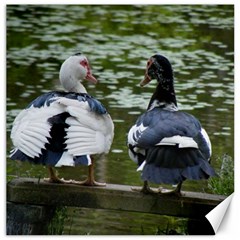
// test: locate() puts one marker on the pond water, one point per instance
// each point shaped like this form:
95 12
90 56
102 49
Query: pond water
118 40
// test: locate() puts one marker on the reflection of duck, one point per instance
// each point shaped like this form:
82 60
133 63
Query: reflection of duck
168 145
64 128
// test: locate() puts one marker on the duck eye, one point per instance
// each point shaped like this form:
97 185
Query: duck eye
151 72
84 63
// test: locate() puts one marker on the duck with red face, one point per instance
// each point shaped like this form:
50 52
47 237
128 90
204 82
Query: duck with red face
64 128
168 145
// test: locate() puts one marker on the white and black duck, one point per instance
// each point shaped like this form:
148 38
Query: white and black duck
169 145
64 128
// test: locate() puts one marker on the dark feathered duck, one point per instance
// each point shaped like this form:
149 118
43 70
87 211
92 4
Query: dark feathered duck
64 128
169 145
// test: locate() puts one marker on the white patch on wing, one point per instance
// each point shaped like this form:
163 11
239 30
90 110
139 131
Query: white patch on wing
133 136
89 160
139 150
88 132
206 137
182 141
31 129
135 133
65 160
140 168
132 156
73 103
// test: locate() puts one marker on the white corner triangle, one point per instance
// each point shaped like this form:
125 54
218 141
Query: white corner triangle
216 216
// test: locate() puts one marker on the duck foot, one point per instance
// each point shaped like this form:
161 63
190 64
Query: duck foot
53 178
58 180
146 189
175 192
170 192
89 182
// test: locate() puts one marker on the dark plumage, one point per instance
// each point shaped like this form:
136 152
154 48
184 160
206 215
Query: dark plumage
169 146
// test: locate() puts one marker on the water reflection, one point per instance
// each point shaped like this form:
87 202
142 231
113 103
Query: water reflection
118 40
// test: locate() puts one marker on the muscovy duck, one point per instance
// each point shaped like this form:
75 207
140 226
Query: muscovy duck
169 145
64 128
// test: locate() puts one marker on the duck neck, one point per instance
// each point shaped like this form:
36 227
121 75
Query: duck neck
164 94
74 86
78 88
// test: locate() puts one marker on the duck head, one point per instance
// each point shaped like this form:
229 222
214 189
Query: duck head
159 68
73 71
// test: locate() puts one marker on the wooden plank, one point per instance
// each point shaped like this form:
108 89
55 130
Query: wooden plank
112 197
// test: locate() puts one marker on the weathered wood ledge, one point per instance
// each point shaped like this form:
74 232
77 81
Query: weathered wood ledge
113 197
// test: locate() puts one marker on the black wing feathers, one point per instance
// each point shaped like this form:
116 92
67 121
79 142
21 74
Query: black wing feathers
161 124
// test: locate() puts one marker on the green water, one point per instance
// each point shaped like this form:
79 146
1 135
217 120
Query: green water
118 40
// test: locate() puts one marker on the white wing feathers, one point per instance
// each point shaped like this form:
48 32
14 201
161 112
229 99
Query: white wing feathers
88 132
181 141
135 133
206 137
31 129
